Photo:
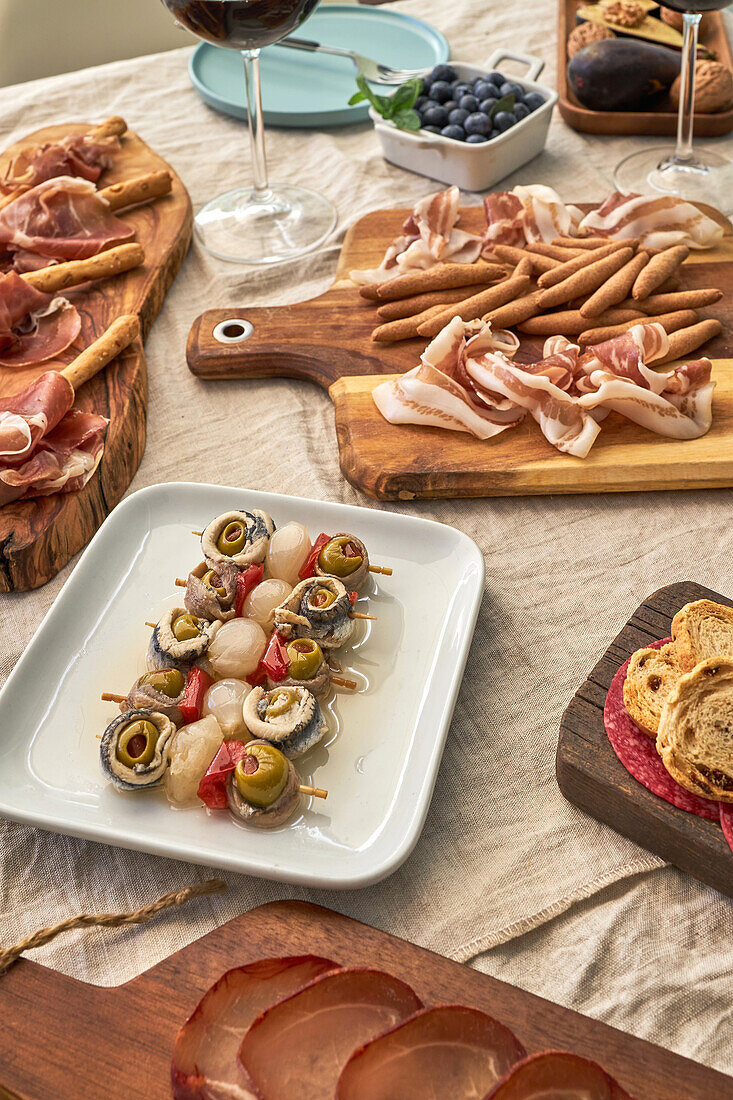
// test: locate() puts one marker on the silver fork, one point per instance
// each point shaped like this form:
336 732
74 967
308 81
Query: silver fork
372 70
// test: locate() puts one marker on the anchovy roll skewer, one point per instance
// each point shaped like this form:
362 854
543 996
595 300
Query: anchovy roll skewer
317 608
288 717
264 788
344 557
161 691
238 537
211 592
308 668
134 749
179 640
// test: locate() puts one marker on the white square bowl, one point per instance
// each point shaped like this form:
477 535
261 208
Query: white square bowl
383 757
473 167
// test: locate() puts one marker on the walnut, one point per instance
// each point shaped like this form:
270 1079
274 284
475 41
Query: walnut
713 88
674 19
624 13
586 33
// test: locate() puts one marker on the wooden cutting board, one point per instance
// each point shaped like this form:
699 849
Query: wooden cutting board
590 775
71 1041
38 537
327 341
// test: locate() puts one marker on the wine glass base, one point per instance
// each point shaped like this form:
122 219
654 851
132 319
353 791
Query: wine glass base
283 223
707 177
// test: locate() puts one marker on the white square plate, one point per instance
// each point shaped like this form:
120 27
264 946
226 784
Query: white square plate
379 769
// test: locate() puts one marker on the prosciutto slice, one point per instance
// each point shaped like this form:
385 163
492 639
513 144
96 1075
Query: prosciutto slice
658 221
60 219
26 417
443 1053
726 822
317 1029
429 236
63 461
34 326
75 155
558 1074
205 1052
527 214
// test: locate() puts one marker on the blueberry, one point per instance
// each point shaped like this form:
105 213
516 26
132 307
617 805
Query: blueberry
461 88
521 110
440 91
503 120
475 139
443 72
468 103
450 105
495 78
509 88
487 104
420 102
435 116
534 100
458 117
482 89
432 129
478 124
455 132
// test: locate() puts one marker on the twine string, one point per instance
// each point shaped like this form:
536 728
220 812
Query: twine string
43 936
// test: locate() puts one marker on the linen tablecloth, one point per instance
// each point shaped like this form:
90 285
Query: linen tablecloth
507 876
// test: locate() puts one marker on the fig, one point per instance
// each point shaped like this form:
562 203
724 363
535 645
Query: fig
620 74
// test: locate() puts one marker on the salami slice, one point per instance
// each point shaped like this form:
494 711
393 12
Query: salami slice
298 1047
557 1074
637 752
444 1053
726 820
205 1052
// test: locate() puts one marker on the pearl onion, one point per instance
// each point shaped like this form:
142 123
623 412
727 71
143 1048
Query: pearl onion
236 648
224 700
262 601
287 550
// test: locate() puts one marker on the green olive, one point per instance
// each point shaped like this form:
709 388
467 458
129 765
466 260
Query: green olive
340 557
185 628
261 775
209 580
279 701
136 743
168 681
232 539
321 597
305 659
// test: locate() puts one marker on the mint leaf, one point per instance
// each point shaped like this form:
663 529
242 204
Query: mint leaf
504 104
357 97
389 107
406 94
406 120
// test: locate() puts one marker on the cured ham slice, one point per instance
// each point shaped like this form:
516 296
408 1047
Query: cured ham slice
319 1027
34 326
61 219
726 821
673 415
204 1063
25 418
443 1053
429 236
62 462
527 214
558 1076
658 221
75 155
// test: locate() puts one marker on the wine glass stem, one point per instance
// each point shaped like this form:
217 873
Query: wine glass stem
686 113
260 187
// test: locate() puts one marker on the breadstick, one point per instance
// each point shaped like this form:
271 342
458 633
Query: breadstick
61 276
524 267
585 281
408 307
406 327
478 305
369 292
111 127
673 283
134 191
513 256
570 267
118 336
580 242
682 299
553 250
615 289
670 322
440 277
659 268
571 322
685 340
521 309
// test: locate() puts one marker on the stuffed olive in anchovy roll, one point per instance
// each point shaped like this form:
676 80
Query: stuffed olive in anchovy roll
307 668
179 640
238 537
134 749
211 592
161 691
317 608
288 717
264 789
344 557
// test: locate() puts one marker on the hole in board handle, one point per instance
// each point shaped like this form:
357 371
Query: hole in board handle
233 331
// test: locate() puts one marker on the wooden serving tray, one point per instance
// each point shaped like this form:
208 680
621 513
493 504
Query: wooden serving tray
663 119
590 775
327 340
63 1038
38 537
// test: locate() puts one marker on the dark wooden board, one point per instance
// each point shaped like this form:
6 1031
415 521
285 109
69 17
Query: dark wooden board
663 118
591 776
38 537
327 340
64 1040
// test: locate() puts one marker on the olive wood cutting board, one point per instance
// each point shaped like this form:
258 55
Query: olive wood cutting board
64 1039
590 775
38 537
662 119
327 341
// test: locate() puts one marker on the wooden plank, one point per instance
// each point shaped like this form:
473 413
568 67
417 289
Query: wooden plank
38 537
62 1038
590 775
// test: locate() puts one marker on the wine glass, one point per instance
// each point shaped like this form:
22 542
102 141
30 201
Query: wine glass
262 224
700 175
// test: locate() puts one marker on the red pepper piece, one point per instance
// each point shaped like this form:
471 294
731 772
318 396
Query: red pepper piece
275 662
353 597
197 684
248 579
309 565
212 788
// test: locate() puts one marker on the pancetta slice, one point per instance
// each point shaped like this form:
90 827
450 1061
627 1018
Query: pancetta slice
558 1075
27 416
204 1063
317 1029
658 221
674 415
444 1053
527 214
75 155
726 822
62 462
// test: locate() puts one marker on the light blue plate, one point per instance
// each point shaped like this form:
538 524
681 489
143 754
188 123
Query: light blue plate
313 90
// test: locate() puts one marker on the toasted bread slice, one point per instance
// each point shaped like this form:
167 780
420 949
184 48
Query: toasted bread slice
650 680
700 630
695 738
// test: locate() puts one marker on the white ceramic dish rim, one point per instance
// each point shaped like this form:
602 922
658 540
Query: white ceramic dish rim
245 863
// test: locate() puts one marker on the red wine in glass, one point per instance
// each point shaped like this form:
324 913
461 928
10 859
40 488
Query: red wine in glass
241 24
